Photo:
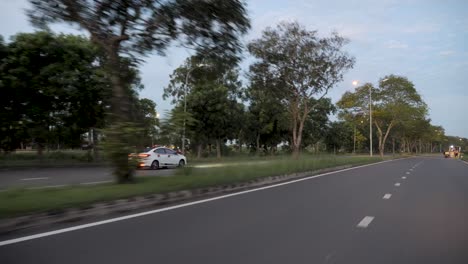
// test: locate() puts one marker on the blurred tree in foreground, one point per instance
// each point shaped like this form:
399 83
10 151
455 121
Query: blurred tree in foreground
135 28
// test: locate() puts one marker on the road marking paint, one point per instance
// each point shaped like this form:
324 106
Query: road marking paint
417 164
33 179
365 222
397 184
47 186
386 196
411 169
408 172
112 220
96 182
404 177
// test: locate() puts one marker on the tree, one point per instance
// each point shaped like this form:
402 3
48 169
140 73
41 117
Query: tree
53 90
301 66
395 101
316 125
135 28
267 120
339 136
146 116
210 94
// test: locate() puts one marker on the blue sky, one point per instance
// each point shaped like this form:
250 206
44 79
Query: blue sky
424 40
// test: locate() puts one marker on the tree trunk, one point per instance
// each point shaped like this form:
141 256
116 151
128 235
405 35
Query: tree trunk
218 148
96 145
297 132
295 149
382 137
239 140
199 150
40 150
257 141
118 145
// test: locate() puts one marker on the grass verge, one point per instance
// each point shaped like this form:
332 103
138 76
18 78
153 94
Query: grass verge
17 202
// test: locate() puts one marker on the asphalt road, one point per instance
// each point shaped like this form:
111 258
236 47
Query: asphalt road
337 218
56 177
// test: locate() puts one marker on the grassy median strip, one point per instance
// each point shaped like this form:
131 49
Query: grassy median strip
17 202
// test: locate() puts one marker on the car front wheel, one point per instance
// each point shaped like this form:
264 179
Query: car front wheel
155 165
181 163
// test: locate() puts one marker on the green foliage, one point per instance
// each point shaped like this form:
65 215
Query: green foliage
119 142
145 117
20 202
339 137
315 126
299 66
137 28
209 91
395 102
53 90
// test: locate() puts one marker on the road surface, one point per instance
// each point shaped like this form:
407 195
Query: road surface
406 211
56 177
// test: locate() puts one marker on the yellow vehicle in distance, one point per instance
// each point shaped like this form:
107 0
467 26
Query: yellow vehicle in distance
453 152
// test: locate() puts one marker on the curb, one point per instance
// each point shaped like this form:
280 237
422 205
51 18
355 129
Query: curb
122 206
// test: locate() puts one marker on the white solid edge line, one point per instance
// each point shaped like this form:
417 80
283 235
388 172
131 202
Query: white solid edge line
33 179
365 222
96 182
386 196
47 187
69 229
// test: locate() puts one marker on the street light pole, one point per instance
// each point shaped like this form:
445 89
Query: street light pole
355 83
354 142
370 119
185 108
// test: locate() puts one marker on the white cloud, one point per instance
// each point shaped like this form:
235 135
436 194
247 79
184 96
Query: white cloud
395 44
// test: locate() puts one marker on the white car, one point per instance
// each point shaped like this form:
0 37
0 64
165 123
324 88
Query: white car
160 157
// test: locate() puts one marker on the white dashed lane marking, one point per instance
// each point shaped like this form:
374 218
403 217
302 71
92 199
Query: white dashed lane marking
365 222
386 196
404 177
397 184
48 186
